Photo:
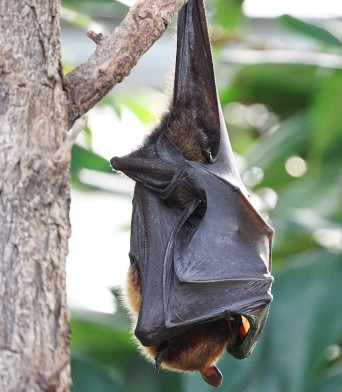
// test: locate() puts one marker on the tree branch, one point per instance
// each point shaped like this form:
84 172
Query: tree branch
116 54
65 149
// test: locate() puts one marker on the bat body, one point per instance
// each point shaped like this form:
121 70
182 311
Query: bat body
199 281
197 349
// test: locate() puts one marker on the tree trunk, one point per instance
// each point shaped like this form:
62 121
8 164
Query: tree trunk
34 175
34 200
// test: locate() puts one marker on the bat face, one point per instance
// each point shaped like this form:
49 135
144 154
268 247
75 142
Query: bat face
199 281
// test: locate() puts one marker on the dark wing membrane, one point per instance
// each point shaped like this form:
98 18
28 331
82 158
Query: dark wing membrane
152 224
194 86
219 267
257 322
231 241
202 249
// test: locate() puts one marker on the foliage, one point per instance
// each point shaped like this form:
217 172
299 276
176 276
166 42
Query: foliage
275 112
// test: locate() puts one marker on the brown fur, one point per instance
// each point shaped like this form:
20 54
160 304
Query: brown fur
133 289
197 349
188 138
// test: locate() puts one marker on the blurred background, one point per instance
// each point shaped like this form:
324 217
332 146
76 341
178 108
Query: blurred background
279 73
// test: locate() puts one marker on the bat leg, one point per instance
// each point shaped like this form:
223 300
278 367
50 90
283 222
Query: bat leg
207 155
212 376
160 351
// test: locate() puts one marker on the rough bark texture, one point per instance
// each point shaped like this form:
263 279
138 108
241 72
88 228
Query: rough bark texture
34 200
117 54
34 175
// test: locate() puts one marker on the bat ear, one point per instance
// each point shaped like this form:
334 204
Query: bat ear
195 94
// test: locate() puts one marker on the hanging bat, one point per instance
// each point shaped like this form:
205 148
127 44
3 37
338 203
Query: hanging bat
199 280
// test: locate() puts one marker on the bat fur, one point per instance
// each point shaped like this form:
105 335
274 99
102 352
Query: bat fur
194 125
199 348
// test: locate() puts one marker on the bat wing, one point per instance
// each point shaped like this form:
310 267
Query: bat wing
218 266
154 218
202 249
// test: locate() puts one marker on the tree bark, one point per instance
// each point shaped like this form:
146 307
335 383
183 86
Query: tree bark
34 200
35 175
116 55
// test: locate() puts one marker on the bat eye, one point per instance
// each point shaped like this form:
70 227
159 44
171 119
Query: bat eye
243 330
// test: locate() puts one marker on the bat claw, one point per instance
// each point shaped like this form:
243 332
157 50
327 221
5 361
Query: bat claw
207 155
160 352
157 364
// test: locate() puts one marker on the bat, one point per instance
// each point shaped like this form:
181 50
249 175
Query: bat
199 279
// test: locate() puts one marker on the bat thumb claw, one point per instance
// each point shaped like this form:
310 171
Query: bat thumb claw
157 365
160 351
207 155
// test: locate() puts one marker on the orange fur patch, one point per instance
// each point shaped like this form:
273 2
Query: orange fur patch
194 350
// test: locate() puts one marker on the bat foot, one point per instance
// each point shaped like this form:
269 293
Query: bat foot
160 351
212 376
207 155
157 365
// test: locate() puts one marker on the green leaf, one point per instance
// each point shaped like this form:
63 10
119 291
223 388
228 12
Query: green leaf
326 119
320 195
270 152
112 347
88 376
228 14
107 343
82 158
304 319
310 30
286 141
146 103
80 19
98 8
144 115
331 381
119 322
286 88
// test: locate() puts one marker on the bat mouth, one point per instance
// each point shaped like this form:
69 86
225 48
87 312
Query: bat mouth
239 326
243 330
